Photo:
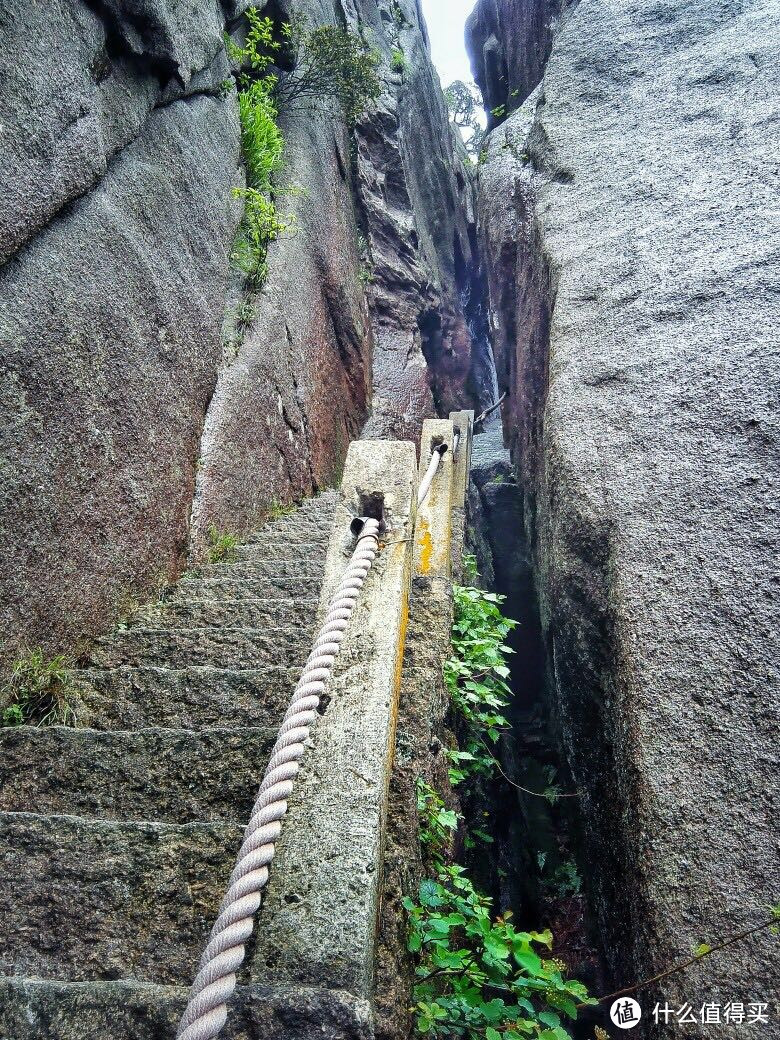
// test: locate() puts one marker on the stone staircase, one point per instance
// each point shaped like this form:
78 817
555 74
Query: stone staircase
117 838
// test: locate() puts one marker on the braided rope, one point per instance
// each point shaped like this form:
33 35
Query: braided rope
437 454
206 1011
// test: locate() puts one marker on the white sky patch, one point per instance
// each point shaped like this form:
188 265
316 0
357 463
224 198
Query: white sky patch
446 20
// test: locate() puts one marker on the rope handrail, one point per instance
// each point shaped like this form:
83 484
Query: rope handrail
437 454
489 411
206 1011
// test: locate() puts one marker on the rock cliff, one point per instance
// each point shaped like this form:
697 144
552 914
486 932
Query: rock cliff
126 395
629 228
115 223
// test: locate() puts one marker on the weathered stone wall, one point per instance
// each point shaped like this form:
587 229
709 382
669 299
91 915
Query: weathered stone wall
296 389
115 223
509 45
629 224
416 213
126 396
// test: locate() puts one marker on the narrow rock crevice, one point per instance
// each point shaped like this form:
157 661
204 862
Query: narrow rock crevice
535 865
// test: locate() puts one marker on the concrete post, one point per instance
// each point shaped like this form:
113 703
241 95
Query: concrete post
318 922
433 533
463 422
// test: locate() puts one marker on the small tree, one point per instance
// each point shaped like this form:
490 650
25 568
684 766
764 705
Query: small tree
464 102
329 63
304 62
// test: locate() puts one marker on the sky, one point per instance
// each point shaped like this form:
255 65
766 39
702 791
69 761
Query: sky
446 20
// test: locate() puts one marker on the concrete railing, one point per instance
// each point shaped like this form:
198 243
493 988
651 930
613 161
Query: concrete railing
317 925
317 928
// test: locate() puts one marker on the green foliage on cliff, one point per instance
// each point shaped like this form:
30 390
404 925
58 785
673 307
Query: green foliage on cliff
321 63
476 677
222 546
398 61
262 145
329 64
40 692
464 102
478 977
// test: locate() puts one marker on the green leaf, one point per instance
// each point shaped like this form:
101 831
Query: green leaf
548 1018
529 960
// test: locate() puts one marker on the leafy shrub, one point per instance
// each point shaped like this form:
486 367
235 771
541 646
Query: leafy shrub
478 977
329 64
222 547
262 143
41 692
476 677
437 823
464 102
398 60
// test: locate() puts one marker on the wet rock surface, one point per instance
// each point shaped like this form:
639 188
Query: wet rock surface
416 213
627 217
135 418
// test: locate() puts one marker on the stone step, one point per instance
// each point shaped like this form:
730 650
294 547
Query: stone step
219 647
192 589
95 900
270 569
165 775
312 537
44 1009
187 698
241 613
308 555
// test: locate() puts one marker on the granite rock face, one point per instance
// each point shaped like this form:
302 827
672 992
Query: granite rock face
415 201
115 226
295 389
629 224
134 419
509 45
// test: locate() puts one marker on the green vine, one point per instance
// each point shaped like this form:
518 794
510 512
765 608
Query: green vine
476 678
478 977
327 63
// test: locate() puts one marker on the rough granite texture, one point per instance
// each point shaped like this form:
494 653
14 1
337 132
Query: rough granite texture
630 223
294 393
509 44
134 418
115 227
42 1010
416 214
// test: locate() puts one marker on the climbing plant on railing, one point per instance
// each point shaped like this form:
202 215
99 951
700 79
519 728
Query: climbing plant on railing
477 976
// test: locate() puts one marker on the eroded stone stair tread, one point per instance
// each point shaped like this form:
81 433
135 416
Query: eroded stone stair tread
191 698
238 613
171 776
117 838
246 588
271 568
219 647
308 550
37 1009
92 899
